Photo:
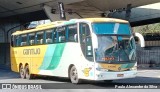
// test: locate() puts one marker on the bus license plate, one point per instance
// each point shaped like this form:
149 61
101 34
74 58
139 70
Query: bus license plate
120 75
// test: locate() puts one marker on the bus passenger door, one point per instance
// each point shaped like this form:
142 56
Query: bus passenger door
86 48
85 41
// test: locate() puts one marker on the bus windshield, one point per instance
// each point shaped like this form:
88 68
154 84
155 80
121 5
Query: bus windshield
114 46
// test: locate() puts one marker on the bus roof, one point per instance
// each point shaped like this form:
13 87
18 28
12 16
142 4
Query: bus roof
72 21
40 27
106 20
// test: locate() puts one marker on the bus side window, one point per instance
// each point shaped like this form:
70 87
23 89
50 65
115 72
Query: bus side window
18 40
39 37
31 38
23 40
72 33
49 35
61 34
54 36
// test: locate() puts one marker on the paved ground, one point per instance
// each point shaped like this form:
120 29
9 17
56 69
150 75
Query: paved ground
144 76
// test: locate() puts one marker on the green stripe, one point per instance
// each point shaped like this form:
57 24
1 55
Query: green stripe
129 65
56 56
52 56
124 65
48 57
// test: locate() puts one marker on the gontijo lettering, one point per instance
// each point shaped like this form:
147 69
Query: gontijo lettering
31 51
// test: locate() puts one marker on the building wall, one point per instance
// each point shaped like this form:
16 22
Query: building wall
5 26
4 55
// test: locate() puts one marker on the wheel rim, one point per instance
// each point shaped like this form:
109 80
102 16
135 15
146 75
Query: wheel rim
21 72
27 73
74 76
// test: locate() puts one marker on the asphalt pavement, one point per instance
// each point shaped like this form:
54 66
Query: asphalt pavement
149 77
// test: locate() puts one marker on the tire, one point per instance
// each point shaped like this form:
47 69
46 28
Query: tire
22 72
74 75
27 73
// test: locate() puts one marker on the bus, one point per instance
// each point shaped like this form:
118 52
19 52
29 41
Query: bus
98 49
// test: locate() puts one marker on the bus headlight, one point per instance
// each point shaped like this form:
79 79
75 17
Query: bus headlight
102 69
134 68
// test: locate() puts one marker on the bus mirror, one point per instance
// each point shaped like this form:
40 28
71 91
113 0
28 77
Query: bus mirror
76 38
140 38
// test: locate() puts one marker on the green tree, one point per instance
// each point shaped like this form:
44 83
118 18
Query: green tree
151 28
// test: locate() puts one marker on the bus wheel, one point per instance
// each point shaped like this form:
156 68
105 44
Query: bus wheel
108 81
22 72
74 75
27 72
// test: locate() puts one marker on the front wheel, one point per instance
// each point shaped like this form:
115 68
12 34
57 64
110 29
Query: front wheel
74 75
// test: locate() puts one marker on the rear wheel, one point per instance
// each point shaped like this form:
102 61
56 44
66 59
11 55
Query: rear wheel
22 72
27 73
74 75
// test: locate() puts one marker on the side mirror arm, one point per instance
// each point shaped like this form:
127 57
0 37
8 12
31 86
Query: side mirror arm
141 38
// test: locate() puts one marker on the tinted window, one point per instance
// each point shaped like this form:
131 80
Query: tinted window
72 33
49 36
31 38
61 34
86 41
39 37
23 40
111 28
18 40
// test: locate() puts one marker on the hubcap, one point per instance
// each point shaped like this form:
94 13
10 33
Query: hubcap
74 75
27 73
22 72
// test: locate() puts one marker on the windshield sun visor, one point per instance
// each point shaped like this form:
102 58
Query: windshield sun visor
111 28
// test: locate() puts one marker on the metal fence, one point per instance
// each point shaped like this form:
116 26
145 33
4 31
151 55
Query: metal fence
150 56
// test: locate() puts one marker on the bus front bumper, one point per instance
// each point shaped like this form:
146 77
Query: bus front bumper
114 75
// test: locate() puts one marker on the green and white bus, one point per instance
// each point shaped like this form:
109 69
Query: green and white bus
90 49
